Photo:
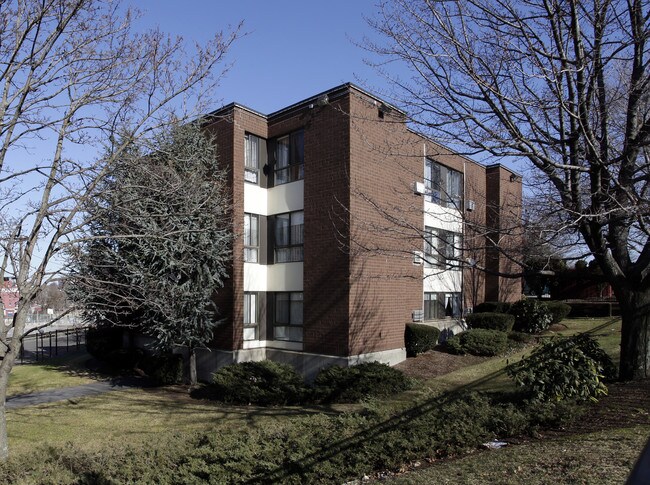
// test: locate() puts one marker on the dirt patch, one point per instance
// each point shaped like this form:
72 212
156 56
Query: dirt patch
436 363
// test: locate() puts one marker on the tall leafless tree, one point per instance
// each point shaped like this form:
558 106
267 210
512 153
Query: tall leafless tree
77 81
561 84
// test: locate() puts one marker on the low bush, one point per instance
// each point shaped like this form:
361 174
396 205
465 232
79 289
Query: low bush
492 307
122 360
491 321
520 338
594 309
559 310
564 368
164 369
292 451
263 383
102 341
352 384
531 316
419 338
478 341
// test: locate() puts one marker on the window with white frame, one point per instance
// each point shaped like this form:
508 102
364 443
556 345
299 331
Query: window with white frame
289 237
251 238
289 158
250 316
444 185
287 317
441 305
252 159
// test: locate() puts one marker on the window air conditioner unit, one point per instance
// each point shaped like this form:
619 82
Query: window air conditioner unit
418 188
471 205
418 257
417 315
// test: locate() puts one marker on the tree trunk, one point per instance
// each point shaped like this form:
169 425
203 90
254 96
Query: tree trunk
193 379
635 334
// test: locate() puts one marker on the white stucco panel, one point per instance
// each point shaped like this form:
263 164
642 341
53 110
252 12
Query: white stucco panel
255 199
285 277
286 198
255 277
442 217
441 282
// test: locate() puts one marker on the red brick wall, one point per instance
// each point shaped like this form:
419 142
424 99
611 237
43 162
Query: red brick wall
326 267
385 286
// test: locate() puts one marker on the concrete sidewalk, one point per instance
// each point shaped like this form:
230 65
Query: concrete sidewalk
65 393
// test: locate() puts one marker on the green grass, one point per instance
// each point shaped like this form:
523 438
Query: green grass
133 416
136 417
597 458
55 373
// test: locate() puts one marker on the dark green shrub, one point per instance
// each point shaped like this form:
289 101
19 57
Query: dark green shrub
352 384
479 341
492 307
563 368
594 309
491 321
520 338
559 310
419 338
531 316
263 383
164 369
101 341
124 359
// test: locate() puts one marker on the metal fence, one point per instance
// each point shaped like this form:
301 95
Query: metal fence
39 345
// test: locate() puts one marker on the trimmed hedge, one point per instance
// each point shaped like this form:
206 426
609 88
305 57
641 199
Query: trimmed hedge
164 369
352 384
492 307
419 338
102 341
559 310
480 341
492 321
265 383
594 309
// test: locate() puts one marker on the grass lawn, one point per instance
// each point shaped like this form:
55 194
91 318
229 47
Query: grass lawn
596 458
138 416
132 416
65 371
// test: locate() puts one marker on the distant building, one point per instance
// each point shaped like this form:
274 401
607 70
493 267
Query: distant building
10 297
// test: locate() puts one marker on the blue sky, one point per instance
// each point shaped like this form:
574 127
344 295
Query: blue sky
293 49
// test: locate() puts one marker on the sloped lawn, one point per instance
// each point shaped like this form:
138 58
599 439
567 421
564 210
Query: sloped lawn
162 435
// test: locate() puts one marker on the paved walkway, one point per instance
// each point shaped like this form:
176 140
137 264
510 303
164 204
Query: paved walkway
65 393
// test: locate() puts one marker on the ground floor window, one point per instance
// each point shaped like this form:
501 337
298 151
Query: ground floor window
287 321
441 305
250 316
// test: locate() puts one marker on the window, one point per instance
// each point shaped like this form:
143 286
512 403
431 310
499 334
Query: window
251 159
444 185
289 158
251 238
289 237
441 247
441 305
250 316
287 321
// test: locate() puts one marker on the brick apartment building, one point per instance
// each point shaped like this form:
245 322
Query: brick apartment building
349 225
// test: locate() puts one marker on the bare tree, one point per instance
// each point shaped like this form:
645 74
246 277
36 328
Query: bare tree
561 84
77 82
